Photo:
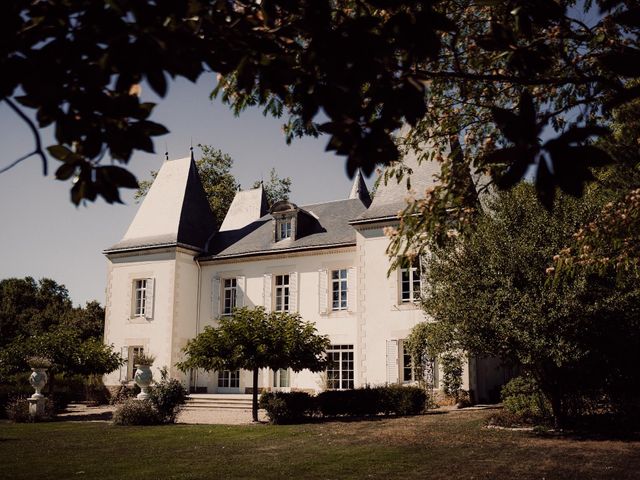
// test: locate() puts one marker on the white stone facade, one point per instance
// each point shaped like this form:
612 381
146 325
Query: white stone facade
186 287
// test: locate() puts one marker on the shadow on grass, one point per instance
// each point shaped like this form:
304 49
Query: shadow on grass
85 417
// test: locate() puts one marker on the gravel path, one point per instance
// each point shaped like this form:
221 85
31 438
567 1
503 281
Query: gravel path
219 416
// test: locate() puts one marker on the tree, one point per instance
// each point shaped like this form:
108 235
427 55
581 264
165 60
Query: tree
221 186
276 189
252 339
38 318
492 293
467 76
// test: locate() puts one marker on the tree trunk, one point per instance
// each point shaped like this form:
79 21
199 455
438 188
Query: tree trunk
254 406
558 413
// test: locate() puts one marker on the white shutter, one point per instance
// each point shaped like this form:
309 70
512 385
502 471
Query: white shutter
215 297
323 293
293 292
150 294
124 353
266 292
425 258
132 299
351 290
240 287
392 361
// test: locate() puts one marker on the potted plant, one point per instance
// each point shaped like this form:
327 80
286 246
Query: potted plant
143 376
38 378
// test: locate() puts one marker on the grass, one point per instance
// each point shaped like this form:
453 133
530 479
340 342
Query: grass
451 446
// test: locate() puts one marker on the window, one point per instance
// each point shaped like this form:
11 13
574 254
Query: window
410 285
283 229
340 372
229 295
281 378
408 373
282 293
133 352
339 289
140 299
229 379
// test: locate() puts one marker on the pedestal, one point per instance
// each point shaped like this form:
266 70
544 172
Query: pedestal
36 407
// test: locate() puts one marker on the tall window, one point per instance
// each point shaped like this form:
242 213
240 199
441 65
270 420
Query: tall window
339 289
408 373
410 283
141 294
281 378
283 228
229 379
282 293
133 352
340 373
229 296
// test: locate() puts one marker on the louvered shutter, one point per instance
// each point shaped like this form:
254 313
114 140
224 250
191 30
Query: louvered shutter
240 288
293 292
150 294
351 290
215 297
124 353
266 291
424 265
323 292
392 361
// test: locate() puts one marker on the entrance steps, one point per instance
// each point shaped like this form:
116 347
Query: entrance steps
214 401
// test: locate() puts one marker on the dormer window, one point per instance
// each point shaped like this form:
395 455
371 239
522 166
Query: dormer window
283 229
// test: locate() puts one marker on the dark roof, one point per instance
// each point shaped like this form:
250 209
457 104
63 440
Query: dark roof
331 229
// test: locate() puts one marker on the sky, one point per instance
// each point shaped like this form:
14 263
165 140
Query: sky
43 234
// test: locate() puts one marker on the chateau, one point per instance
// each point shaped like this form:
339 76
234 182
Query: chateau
175 271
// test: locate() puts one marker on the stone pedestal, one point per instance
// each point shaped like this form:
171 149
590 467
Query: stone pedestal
36 406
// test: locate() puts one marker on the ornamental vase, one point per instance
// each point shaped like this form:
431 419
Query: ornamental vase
143 378
38 379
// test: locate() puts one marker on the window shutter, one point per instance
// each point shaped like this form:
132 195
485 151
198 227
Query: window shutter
124 353
240 287
323 292
424 265
215 297
150 293
266 291
351 290
392 361
132 299
293 292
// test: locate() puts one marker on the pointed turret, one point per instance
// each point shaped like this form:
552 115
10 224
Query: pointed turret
247 207
360 190
174 212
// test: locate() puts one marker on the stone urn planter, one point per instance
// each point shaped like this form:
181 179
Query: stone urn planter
143 378
38 379
143 375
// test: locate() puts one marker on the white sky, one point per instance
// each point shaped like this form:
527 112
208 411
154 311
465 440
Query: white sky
43 234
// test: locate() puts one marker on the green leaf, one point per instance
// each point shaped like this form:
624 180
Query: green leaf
59 151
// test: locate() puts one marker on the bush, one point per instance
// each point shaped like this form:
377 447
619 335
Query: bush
401 400
451 375
285 408
123 393
168 396
136 412
361 402
18 411
95 391
523 399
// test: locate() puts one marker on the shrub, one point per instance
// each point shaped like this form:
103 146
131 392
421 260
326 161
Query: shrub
18 411
402 400
451 374
285 408
136 412
123 393
95 391
523 399
167 396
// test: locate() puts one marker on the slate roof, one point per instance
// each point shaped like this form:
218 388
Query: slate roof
332 229
175 212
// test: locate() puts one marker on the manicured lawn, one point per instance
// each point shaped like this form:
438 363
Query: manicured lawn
451 446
